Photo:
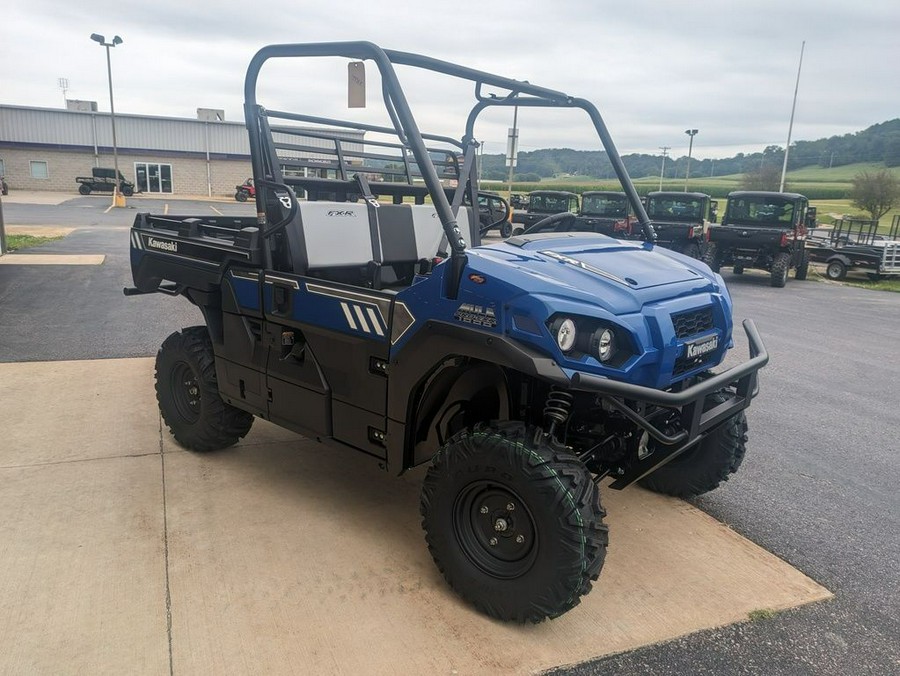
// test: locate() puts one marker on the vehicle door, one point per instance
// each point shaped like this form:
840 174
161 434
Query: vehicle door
326 371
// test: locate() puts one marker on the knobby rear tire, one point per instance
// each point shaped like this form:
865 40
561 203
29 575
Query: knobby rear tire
780 267
188 394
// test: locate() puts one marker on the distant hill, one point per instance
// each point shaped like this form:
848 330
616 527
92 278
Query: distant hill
879 143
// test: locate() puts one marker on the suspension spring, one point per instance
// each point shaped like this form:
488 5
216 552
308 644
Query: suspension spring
557 408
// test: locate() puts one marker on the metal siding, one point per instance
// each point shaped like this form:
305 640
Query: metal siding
74 128
45 126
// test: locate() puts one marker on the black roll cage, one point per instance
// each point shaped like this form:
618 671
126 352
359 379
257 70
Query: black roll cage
520 93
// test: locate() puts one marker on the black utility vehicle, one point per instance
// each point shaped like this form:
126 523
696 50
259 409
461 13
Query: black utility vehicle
494 212
681 220
522 372
604 212
765 230
103 179
607 212
855 244
543 203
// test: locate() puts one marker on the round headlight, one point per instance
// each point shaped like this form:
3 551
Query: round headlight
565 334
603 344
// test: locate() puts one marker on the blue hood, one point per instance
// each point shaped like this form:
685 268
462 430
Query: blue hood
619 276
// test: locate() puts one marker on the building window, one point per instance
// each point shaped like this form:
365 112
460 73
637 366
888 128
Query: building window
39 169
151 177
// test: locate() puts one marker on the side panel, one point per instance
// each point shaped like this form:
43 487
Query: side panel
324 375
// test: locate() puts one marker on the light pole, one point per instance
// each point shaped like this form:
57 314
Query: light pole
99 39
687 174
662 170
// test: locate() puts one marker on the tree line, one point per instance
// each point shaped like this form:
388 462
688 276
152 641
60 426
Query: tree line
878 143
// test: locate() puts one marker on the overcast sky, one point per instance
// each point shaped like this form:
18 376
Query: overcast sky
654 69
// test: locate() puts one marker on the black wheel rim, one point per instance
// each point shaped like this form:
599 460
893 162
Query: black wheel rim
495 529
185 388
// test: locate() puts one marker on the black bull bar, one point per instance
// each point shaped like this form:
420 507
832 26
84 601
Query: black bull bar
696 423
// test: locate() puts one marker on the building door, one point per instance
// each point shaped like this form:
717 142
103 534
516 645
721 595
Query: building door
151 177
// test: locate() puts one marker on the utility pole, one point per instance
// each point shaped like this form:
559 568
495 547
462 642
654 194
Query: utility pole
662 170
512 148
787 148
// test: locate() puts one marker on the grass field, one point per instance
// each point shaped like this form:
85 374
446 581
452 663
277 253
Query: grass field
826 188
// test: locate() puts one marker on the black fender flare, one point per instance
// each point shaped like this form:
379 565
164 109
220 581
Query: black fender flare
839 257
461 393
418 367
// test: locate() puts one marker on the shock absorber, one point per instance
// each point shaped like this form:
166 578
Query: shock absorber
557 408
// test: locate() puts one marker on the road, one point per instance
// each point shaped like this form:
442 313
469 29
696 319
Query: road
818 486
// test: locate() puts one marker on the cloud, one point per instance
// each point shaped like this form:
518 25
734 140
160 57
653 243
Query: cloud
653 69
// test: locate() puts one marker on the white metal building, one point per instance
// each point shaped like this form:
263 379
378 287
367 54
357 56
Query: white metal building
46 148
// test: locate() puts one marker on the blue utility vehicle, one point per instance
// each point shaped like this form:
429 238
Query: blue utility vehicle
368 317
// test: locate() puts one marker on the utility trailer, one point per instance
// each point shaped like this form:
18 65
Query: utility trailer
522 372
855 244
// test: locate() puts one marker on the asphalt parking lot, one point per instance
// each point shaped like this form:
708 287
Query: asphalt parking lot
818 487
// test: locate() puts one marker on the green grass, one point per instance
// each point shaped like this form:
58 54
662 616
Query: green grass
892 284
830 210
839 175
761 614
17 242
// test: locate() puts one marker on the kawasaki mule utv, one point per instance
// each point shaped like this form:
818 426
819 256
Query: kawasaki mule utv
368 317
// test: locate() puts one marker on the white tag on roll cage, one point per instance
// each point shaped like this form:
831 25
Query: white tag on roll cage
356 84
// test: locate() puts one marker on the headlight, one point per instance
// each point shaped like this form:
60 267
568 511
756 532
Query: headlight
564 329
603 344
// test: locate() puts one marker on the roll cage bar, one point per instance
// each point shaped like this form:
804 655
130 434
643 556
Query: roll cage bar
266 165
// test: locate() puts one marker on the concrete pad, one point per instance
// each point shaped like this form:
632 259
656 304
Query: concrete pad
77 410
38 230
52 259
290 556
82 569
294 556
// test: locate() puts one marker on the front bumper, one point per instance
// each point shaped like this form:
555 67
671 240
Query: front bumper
740 383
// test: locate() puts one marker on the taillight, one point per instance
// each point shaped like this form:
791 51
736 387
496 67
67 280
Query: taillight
691 232
784 239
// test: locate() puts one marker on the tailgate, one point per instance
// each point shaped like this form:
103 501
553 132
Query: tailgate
744 237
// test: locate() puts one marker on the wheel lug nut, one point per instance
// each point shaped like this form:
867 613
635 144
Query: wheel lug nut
493 541
484 509
520 539
510 506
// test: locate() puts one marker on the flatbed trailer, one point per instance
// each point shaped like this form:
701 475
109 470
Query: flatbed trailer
855 245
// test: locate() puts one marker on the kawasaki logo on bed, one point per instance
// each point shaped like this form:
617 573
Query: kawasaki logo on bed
336 212
700 347
162 245
206 253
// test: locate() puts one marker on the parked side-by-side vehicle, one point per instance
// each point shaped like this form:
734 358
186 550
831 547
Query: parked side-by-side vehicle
369 316
763 230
